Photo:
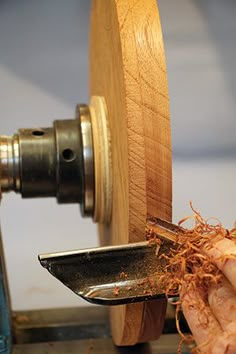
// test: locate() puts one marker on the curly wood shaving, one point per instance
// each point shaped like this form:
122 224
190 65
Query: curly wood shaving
188 268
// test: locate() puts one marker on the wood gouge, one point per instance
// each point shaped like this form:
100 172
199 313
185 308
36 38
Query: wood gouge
115 275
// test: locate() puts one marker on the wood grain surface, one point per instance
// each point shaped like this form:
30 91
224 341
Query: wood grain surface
127 68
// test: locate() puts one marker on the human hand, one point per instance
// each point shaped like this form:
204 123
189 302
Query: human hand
212 316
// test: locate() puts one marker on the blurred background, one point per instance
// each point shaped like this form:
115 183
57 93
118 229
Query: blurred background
44 73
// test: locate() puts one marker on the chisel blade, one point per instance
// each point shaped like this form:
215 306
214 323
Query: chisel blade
115 275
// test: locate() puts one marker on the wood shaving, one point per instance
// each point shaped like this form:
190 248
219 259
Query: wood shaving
188 268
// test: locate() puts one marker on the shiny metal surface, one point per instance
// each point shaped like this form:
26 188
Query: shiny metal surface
108 275
87 206
115 275
51 162
9 163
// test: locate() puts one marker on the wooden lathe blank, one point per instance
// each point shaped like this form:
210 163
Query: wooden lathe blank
127 68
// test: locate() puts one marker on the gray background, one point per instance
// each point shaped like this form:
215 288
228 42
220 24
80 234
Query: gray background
44 73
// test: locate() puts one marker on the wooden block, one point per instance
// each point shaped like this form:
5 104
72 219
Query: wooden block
128 69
